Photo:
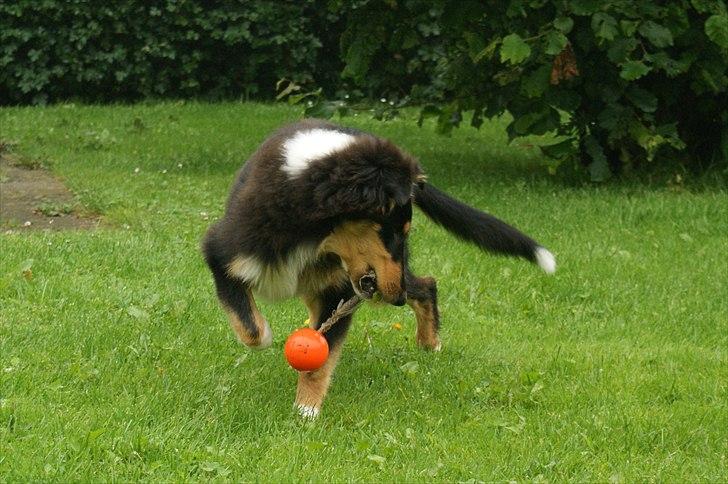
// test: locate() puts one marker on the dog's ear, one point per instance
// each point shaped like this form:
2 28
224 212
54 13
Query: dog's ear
370 177
368 190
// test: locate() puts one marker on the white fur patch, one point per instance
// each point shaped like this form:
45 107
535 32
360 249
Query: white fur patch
266 338
307 411
277 281
546 260
307 146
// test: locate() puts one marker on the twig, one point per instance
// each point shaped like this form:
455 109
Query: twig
368 285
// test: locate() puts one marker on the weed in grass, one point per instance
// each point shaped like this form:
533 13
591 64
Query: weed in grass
54 209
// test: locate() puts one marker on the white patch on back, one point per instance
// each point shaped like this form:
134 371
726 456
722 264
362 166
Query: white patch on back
274 281
307 146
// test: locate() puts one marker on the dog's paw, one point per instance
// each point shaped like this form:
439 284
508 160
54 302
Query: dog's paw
307 411
264 340
428 342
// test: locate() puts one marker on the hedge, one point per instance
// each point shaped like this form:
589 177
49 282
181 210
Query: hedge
53 50
620 83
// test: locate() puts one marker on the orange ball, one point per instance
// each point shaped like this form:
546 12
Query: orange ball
306 349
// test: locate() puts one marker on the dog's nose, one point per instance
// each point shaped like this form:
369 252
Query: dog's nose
401 300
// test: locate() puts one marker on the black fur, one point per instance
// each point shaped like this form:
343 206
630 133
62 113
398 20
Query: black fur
268 214
484 230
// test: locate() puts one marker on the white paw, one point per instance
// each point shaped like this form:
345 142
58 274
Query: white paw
266 339
307 411
437 347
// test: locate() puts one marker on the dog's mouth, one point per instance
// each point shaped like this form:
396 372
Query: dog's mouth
367 285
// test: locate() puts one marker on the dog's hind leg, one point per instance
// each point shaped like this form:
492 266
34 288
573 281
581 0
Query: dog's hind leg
422 298
236 299
313 385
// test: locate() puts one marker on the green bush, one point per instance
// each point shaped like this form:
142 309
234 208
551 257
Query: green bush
620 83
59 49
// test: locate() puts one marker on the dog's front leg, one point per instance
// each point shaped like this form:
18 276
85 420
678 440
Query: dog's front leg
313 385
422 298
236 299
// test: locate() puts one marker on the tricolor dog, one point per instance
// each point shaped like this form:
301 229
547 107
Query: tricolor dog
316 208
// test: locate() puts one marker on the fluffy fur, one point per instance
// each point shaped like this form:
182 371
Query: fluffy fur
315 208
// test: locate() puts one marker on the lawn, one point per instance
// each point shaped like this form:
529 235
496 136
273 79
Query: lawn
117 364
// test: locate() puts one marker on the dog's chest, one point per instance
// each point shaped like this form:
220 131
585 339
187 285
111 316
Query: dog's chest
294 275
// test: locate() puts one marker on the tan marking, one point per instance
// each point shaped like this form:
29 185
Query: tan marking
427 336
239 328
407 227
313 304
359 246
313 385
314 280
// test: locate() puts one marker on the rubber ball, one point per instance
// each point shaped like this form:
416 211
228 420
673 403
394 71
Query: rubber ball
306 349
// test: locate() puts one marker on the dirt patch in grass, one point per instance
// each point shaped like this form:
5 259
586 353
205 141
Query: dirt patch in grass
33 199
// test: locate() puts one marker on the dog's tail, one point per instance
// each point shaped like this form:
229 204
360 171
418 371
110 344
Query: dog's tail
480 228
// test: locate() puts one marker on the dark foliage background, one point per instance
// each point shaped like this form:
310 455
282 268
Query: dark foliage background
128 50
612 84
620 83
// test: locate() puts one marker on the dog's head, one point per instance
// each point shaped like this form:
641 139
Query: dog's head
369 191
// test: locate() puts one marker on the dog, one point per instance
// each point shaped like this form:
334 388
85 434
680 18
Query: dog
313 211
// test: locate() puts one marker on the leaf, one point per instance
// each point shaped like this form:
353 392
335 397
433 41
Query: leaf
564 66
632 70
378 459
643 99
555 42
599 167
476 45
585 7
321 109
536 83
522 124
565 99
716 28
559 150
672 67
514 49
629 27
564 24
94 434
297 98
604 26
658 35
432 471
315 446
137 313
517 428
365 41
410 368
215 467
428 111
620 49
488 51
26 268
290 88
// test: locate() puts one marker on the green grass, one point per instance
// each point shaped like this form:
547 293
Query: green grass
117 364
